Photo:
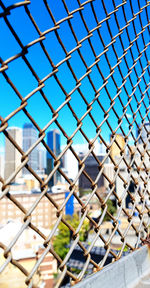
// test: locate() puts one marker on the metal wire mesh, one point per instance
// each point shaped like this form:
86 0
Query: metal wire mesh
102 48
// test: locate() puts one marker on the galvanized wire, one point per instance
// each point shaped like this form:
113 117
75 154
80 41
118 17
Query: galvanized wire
129 50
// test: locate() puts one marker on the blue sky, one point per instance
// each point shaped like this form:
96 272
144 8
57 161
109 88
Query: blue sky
24 81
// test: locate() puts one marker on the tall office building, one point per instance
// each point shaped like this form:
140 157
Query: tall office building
29 138
41 160
115 150
2 166
92 169
53 141
145 134
12 156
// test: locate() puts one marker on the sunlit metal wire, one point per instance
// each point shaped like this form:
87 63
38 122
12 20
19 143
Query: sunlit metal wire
124 83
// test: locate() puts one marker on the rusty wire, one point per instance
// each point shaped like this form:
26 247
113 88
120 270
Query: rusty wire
130 37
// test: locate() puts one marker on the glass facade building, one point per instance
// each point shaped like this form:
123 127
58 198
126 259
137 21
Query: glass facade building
53 141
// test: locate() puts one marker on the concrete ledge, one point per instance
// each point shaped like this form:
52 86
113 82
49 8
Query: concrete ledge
126 272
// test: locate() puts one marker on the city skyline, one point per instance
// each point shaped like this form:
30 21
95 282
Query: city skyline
70 163
29 136
77 144
74 141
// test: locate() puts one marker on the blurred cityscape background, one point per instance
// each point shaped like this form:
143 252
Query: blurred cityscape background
74 138
26 189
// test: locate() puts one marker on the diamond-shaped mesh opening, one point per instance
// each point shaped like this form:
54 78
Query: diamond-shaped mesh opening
74 137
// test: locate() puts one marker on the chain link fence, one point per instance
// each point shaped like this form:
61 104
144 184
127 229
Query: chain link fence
81 67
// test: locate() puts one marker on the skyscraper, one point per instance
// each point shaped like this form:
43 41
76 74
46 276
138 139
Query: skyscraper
29 138
145 134
41 160
53 141
2 165
115 150
12 156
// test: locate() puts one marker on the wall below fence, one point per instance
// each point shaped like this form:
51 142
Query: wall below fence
128 272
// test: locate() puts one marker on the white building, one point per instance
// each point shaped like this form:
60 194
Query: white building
12 155
2 166
41 160
145 134
137 175
71 165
